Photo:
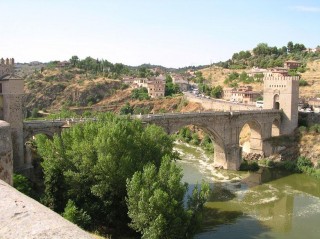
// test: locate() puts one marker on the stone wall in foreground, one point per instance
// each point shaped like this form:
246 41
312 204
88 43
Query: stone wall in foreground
23 217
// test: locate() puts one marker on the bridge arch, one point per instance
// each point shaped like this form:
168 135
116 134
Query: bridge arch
250 137
28 159
28 135
219 155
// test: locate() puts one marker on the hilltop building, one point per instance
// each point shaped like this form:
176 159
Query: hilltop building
154 85
292 64
242 94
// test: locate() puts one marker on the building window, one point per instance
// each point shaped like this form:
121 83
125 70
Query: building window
0 88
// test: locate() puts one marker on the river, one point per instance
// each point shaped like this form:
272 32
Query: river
266 204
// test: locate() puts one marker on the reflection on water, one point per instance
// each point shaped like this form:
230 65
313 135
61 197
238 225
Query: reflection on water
265 204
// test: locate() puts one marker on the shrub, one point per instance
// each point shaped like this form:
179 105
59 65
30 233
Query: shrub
76 215
303 129
303 82
22 184
249 166
313 129
195 139
266 163
289 166
303 164
34 113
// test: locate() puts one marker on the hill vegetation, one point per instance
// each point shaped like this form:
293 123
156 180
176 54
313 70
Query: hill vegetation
265 56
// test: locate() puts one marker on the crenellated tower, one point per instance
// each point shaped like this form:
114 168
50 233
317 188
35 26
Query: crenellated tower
11 108
283 93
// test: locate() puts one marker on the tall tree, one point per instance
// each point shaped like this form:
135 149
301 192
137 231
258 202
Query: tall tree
156 206
74 60
90 163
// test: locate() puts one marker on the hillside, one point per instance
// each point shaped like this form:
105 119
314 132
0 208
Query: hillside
216 76
56 88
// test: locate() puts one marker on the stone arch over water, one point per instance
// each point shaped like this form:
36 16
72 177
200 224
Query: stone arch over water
251 131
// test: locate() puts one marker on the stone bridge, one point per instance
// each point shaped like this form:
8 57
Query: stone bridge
47 127
224 129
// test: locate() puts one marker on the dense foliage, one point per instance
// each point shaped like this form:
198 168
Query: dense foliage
235 78
90 163
187 135
265 56
140 93
22 184
156 206
86 169
95 66
170 87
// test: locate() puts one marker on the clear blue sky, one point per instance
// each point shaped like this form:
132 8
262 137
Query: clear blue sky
172 33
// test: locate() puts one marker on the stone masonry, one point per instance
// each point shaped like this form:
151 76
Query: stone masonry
6 163
11 108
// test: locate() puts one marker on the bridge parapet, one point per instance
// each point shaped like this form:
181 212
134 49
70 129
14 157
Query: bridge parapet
151 117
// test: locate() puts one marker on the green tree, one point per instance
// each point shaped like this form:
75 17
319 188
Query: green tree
170 87
90 163
74 60
155 202
76 215
290 46
126 109
140 93
22 184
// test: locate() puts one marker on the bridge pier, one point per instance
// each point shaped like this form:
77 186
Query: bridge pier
233 157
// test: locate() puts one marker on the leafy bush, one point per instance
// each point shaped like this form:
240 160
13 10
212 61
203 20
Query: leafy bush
76 215
22 184
289 166
267 163
207 144
140 93
303 82
126 109
249 166
303 129
155 202
313 129
303 164
195 139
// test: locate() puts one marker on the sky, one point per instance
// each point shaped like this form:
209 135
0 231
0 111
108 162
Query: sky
172 33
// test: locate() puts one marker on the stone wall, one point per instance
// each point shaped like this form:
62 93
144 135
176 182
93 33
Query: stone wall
23 217
6 162
220 105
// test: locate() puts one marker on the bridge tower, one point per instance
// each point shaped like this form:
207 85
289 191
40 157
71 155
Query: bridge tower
283 93
11 109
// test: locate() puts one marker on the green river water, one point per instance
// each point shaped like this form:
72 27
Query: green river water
266 204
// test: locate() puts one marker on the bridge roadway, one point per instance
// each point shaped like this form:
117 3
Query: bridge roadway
223 128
